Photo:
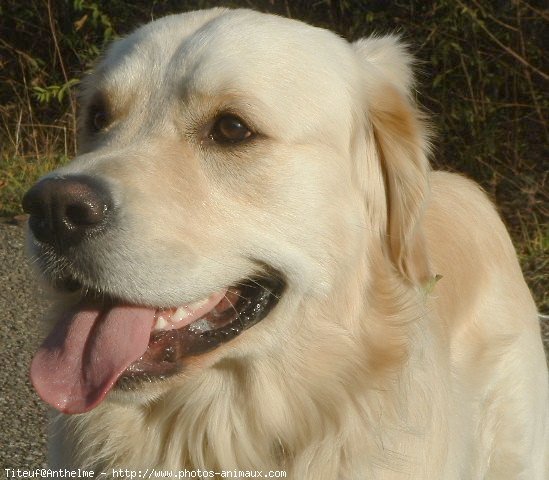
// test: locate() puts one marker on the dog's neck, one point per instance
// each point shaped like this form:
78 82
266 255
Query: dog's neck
256 413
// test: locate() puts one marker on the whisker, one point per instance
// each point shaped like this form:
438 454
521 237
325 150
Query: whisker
238 295
263 287
231 303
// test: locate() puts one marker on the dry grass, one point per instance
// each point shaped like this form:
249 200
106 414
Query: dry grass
483 79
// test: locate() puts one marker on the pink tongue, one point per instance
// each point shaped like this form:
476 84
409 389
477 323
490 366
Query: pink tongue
86 352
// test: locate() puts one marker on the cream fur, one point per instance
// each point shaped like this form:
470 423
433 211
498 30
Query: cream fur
359 372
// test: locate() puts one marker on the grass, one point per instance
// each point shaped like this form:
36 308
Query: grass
533 251
483 80
18 174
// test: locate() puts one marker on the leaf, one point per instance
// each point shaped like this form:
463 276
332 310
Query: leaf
438 79
430 286
80 23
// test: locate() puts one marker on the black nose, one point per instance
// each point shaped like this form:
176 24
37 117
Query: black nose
65 210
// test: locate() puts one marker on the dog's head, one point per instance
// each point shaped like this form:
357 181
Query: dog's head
236 170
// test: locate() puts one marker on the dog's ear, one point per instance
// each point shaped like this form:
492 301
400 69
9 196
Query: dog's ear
401 139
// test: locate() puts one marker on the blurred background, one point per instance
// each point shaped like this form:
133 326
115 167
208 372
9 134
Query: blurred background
483 77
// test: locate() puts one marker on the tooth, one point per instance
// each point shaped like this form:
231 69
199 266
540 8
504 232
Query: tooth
161 323
180 314
186 310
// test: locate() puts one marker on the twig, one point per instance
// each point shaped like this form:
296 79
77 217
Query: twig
17 132
510 51
542 13
497 104
62 64
426 41
529 77
494 19
468 78
27 98
43 125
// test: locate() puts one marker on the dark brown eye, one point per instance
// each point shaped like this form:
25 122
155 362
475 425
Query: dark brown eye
98 117
99 121
229 129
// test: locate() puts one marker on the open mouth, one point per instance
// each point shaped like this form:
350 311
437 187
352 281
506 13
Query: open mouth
200 327
102 344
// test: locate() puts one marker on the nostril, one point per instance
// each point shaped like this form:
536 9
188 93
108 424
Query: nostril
63 211
85 213
36 202
32 202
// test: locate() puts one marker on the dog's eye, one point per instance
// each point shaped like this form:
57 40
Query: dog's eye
229 129
98 116
99 121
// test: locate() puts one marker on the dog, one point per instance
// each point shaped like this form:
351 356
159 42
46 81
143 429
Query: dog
254 268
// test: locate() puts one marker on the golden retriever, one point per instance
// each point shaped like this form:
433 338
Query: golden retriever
255 269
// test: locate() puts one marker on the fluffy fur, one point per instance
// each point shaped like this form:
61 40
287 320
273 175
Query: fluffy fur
367 367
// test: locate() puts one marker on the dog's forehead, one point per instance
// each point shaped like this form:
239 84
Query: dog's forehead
219 35
223 51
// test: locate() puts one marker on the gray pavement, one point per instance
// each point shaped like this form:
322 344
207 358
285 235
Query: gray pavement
22 414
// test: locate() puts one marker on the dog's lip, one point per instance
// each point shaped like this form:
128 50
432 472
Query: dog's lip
102 342
169 349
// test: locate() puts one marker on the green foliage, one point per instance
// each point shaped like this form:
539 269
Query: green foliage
17 174
482 77
94 15
54 92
